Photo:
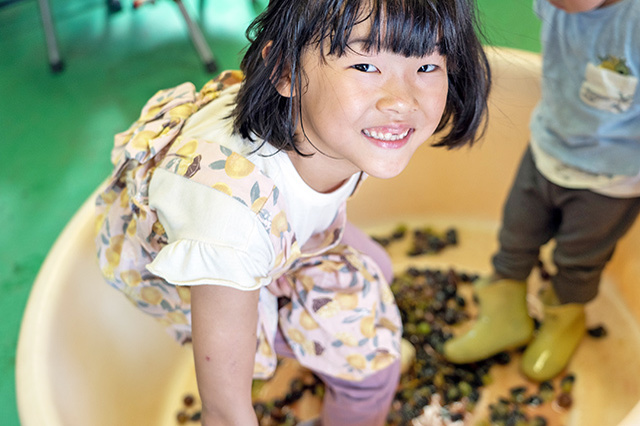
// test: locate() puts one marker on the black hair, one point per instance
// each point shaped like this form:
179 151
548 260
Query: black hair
407 27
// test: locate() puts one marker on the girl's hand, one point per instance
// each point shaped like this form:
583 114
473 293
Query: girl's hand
224 322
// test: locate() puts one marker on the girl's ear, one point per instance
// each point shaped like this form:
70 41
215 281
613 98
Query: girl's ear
282 83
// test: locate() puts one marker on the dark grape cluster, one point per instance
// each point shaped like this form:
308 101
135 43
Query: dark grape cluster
429 304
423 240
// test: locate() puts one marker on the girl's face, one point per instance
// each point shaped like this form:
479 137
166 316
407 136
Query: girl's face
366 111
577 6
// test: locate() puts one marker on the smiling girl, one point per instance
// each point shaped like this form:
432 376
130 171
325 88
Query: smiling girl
225 217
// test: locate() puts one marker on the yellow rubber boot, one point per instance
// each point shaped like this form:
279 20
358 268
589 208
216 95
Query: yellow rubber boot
503 323
562 329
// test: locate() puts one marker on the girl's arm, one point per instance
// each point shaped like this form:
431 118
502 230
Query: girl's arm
224 322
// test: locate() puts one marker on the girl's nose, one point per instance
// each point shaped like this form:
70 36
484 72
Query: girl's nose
398 98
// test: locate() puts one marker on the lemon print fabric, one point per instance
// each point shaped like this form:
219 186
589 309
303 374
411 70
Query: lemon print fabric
159 124
188 160
237 166
128 233
339 311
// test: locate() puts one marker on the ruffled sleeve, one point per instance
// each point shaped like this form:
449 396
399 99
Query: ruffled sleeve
212 238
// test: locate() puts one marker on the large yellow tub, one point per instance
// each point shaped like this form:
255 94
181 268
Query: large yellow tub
88 357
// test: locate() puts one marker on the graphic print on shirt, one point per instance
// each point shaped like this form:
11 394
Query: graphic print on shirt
609 86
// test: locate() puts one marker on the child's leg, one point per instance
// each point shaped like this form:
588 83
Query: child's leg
357 239
591 226
348 403
529 221
364 403
590 229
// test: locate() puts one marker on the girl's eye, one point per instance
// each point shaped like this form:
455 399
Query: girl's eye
365 67
428 68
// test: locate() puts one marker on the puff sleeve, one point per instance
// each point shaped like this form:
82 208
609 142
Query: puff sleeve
212 238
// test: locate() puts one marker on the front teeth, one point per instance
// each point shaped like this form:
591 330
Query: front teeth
385 136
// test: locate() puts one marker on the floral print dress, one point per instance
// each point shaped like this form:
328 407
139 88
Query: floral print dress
331 302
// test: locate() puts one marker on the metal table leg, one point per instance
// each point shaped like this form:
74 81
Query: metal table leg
198 39
52 44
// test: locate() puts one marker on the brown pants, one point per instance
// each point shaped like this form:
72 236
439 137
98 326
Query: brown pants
586 227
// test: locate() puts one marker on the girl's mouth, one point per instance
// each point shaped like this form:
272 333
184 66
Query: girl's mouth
388 138
385 136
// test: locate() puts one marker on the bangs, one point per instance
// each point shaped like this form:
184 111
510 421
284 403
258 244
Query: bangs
411 28
406 27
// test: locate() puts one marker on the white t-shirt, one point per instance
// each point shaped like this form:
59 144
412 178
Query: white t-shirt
569 177
213 239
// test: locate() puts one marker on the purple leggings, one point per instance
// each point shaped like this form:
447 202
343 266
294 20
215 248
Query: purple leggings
367 402
345 403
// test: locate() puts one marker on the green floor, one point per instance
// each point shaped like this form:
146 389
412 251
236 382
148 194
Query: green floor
57 130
